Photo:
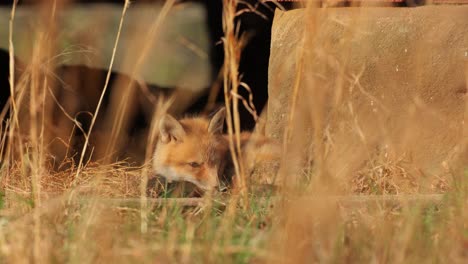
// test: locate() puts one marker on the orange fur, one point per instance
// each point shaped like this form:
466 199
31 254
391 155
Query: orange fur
196 151
192 149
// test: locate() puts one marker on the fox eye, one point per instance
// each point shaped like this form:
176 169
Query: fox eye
194 164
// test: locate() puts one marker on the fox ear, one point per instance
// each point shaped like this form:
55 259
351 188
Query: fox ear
217 122
170 129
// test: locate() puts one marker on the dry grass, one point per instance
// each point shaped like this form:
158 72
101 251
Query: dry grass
50 216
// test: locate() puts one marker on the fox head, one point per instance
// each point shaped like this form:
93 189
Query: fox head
191 149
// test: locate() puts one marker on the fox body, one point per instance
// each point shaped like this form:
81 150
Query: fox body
195 150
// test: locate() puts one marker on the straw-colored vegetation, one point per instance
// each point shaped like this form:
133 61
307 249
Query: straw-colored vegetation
66 216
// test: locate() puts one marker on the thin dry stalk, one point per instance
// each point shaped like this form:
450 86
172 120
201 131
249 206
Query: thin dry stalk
214 91
465 119
231 84
114 50
284 170
34 156
151 37
34 163
161 109
148 41
14 113
92 213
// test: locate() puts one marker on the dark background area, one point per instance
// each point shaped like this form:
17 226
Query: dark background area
254 59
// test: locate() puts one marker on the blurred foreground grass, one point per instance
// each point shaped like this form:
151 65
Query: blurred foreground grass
297 231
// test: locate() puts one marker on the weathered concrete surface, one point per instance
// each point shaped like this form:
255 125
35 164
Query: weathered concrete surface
375 82
177 55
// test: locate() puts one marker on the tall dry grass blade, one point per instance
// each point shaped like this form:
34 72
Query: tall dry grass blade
33 157
231 83
160 109
285 169
43 49
465 120
14 108
127 92
114 51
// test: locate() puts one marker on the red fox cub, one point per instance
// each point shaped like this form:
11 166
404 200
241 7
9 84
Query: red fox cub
195 150
192 150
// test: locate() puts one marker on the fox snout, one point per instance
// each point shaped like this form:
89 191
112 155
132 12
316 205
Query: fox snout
209 181
202 176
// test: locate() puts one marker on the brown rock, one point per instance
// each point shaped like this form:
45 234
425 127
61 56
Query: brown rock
384 82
